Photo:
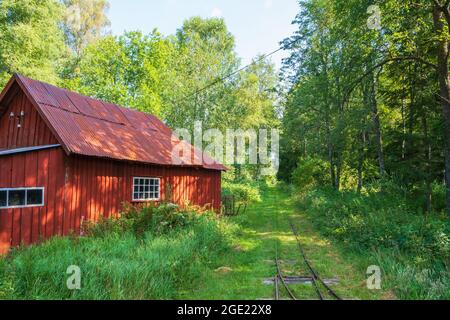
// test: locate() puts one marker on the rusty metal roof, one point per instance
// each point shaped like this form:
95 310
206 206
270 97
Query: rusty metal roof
90 127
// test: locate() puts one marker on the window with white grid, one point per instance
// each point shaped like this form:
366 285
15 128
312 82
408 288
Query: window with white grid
146 189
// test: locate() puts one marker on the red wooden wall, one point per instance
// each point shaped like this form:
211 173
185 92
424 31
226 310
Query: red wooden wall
43 168
79 188
97 187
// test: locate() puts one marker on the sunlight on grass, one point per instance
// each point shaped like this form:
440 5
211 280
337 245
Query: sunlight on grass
257 232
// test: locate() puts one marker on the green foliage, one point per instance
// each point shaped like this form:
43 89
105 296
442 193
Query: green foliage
243 192
126 70
31 41
379 221
204 53
168 217
118 261
439 192
310 172
364 100
139 220
418 284
237 196
412 245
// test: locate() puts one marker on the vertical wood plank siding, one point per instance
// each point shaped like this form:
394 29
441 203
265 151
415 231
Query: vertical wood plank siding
34 169
33 130
100 187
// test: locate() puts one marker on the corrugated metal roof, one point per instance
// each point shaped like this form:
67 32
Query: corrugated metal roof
91 127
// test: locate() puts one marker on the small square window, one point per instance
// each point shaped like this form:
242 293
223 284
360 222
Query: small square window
146 189
16 198
3 197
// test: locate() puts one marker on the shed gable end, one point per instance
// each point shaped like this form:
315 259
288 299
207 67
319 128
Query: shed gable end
21 125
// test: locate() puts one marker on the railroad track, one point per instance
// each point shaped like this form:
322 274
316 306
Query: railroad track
281 278
314 277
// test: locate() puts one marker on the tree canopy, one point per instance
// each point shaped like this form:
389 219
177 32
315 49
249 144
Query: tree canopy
369 101
31 41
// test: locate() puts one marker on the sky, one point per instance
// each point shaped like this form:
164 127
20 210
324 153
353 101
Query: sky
258 25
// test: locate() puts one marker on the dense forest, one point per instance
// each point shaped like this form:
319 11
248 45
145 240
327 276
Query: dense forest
366 132
371 104
362 103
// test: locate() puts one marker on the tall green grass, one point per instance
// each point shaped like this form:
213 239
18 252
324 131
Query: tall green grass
412 248
137 257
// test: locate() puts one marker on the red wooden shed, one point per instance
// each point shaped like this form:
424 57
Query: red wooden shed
66 158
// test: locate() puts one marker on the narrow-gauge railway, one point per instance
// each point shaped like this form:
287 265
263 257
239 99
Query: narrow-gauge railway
315 279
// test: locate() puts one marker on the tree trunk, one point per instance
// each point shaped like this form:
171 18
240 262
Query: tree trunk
377 127
428 189
439 14
331 155
338 171
404 130
331 161
412 108
361 160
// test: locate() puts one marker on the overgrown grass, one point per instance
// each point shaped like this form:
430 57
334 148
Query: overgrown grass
148 254
413 249
168 253
256 235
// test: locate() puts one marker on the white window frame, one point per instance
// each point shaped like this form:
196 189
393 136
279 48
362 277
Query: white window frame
25 205
149 199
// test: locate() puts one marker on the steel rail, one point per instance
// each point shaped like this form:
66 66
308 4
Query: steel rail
313 272
280 276
277 289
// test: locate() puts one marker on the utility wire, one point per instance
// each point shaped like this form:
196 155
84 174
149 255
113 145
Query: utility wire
218 80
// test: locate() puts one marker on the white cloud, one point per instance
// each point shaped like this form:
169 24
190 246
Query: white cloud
268 4
216 13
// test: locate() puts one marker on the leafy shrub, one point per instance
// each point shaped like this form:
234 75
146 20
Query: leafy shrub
439 197
384 221
244 193
167 217
309 173
140 219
